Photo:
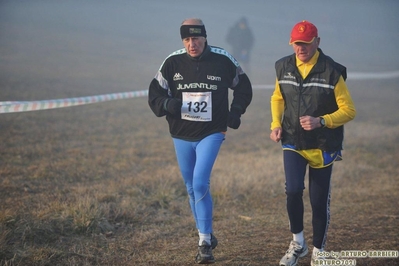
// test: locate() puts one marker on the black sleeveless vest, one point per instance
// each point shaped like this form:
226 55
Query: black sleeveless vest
313 96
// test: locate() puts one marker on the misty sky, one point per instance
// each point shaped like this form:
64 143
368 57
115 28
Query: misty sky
120 44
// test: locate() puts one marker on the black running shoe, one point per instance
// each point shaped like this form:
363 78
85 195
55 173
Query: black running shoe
214 241
204 255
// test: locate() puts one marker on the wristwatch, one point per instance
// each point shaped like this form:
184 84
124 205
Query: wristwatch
322 122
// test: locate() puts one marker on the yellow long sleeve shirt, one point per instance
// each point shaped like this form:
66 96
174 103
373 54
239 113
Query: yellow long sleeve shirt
346 111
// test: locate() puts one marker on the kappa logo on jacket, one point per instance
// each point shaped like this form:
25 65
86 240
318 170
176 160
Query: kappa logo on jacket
177 76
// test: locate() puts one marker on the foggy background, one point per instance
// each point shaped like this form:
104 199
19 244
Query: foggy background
95 47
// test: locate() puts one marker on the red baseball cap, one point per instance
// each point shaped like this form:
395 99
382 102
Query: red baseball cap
303 31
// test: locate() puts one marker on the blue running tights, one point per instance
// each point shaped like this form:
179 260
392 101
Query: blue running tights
196 160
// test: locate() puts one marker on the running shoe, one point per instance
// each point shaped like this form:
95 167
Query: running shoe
214 241
294 252
204 255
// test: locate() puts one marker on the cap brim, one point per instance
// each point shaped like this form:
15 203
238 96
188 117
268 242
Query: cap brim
298 40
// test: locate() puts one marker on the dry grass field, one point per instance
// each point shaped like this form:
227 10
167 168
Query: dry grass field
99 185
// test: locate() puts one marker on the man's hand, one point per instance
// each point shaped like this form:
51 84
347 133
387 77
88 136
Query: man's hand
309 122
276 133
173 106
233 119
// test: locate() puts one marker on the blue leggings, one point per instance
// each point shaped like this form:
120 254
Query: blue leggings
196 160
319 193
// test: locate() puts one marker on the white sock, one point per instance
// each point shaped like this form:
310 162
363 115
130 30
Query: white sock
202 237
299 238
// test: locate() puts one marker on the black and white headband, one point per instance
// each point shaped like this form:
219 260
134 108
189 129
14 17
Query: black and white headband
192 31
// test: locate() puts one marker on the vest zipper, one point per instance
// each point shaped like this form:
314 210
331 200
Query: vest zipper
298 135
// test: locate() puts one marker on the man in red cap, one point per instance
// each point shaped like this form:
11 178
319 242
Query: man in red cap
309 106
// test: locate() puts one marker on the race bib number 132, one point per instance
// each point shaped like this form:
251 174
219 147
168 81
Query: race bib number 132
197 106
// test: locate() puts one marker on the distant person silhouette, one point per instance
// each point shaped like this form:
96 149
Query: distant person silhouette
241 40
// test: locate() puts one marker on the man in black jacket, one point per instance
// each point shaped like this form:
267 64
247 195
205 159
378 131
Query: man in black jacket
191 89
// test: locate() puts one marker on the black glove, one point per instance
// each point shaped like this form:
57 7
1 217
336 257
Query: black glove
233 119
173 106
